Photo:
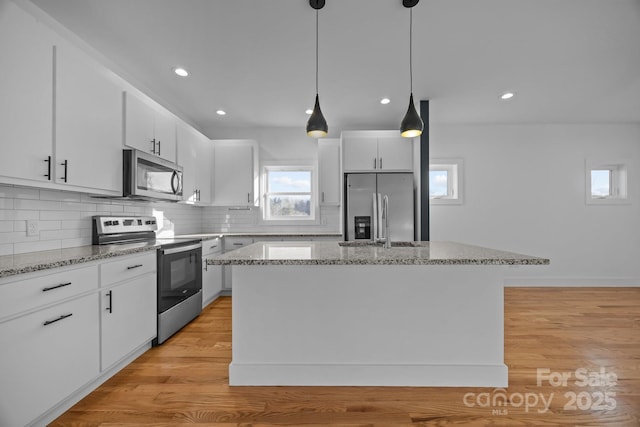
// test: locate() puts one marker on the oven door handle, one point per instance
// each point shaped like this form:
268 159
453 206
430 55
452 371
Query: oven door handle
180 249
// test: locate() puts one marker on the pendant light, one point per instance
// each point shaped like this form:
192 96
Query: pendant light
317 125
412 124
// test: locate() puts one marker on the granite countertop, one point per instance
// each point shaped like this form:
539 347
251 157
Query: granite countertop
257 234
402 253
11 265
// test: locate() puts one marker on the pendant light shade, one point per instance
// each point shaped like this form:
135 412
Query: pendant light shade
412 124
317 125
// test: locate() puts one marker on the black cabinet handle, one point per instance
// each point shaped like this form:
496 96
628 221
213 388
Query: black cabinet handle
213 247
158 153
131 267
64 316
48 174
237 244
323 197
375 162
110 295
380 162
153 146
66 168
248 197
50 288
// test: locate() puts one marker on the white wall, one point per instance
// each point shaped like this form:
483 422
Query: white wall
276 144
525 192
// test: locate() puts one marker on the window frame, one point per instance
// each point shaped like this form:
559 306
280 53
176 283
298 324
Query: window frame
307 166
618 182
454 168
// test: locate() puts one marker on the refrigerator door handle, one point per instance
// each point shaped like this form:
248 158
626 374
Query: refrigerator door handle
374 235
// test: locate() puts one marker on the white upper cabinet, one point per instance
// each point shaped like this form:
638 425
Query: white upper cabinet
88 122
195 157
148 127
26 95
235 169
377 151
360 154
395 154
329 171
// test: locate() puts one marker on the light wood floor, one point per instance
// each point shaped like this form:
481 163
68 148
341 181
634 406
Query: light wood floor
184 381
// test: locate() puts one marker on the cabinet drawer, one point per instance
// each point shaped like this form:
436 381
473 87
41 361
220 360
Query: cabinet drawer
44 364
211 246
231 243
23 295
127 267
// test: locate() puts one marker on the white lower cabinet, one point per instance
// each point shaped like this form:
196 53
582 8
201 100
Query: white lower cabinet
45 356
211 274
129 318
61 335
231 243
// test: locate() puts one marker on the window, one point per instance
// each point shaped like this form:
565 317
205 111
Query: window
606 182
445 181
289 193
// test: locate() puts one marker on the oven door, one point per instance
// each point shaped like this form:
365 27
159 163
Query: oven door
179 274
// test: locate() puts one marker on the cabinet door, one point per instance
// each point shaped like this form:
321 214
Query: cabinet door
26 94
395 154
233 175
188 159
203 171
360 154
211 281
329 172
129 317
165 134
88 122
138 124
43 363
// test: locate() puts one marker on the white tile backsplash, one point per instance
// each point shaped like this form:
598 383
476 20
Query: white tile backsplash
64 218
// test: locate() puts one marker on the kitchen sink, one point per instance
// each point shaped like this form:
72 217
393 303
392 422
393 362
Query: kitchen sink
399 244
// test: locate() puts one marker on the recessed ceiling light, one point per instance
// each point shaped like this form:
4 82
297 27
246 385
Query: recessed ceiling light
221 112
507 95
181 72
385 101
309 111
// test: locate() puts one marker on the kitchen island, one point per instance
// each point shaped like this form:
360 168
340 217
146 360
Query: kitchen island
324 314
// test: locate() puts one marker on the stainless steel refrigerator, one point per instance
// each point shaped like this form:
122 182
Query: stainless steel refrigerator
363 192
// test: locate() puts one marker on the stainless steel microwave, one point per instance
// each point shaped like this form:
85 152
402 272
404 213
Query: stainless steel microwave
149 177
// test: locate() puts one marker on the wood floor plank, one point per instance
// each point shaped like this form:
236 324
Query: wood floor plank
185 381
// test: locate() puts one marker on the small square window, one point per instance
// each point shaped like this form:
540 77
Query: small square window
445 178
606 182
289 193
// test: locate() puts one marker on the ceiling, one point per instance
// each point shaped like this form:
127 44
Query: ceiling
568 61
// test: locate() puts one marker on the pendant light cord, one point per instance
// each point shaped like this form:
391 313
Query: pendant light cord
410 50
316 51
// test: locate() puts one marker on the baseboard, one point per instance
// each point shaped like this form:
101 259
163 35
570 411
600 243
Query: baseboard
79 394
572 281
368 375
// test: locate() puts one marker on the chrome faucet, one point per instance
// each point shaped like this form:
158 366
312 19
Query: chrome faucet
385 214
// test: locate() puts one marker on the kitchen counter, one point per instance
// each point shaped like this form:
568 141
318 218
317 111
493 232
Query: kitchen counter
321 314
258 234
354 253
11 265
